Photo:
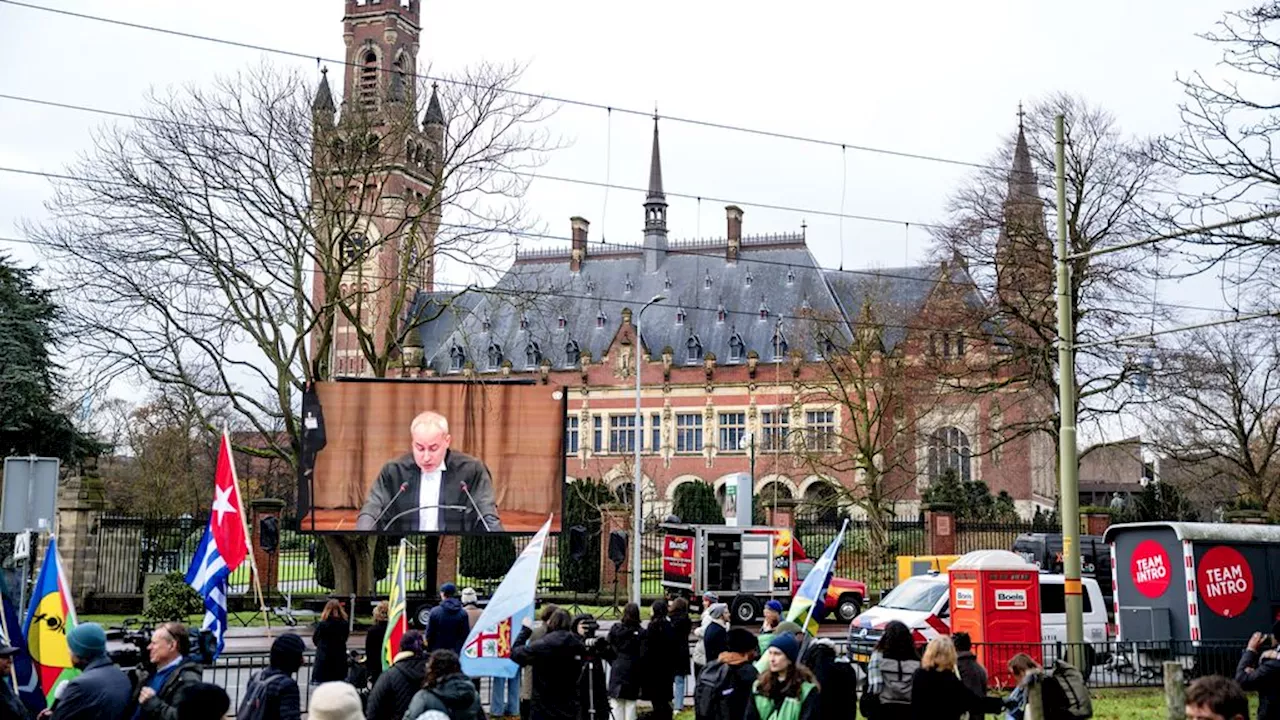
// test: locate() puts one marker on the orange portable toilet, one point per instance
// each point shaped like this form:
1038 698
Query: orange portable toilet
995 597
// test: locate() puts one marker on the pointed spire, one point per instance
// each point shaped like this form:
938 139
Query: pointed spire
435 115
1022 177
323 102
655 168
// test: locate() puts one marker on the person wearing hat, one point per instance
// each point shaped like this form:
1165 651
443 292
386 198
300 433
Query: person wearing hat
203 701
723 688
772 616
102 690
715 637
774 630
335 701
273 693
171 671
448 623
786 690
471 603
700 655
11 707
396 687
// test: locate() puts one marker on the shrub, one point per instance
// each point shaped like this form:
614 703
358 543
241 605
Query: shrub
324 564
172 599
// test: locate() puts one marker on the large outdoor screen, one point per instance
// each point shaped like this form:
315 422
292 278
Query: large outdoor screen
441 457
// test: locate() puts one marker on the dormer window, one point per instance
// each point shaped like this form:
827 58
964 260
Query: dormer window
693 351
736 348
524 323
591 285
804 305
779 345
791 276
629 286
572 354
666 282
706 281
601 319
764 311
720 313
749 278
485 324
561 322
457 358
680 316
532 355
495 356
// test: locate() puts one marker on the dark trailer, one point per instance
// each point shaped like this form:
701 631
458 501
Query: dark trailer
1194 583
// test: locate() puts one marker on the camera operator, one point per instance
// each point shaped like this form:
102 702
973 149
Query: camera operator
556 660
169 672
593 687
1259 670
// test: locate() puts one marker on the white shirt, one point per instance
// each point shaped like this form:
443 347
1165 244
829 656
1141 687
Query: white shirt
429 499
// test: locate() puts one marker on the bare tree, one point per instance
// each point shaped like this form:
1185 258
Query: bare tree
1219 414
1000 223
221 243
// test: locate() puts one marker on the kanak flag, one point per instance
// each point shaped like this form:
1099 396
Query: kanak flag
50 615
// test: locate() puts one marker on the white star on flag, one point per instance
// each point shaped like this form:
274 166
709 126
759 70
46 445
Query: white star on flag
222 503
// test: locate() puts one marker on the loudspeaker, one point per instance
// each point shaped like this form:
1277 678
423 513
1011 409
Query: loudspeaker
618 547
269 533
577 542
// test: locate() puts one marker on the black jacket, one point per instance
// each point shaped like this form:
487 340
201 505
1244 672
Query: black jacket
716 640
330 639
627 672
11 707
836 678
661 659
682 626
400 514
1264 677
744 677
373 650
280 698
447 626
940 694
395 689
592 684
556 660
453 695
164 706
974 677
101 692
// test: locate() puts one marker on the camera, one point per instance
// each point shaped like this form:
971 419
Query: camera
588 628
204 645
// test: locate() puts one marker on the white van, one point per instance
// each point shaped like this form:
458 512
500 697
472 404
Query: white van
922 604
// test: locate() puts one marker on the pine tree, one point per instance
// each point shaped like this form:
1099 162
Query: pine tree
695 502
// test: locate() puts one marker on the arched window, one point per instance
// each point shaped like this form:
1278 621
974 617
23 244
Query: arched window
624 492
353 246
736 348
495 356
821 502
572 354
368 89
457 357
398 83
772 493
693 350
949 451
532 355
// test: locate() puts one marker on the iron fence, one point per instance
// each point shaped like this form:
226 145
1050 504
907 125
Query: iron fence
130 548
986 535
870 549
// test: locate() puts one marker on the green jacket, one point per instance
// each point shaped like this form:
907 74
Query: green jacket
792 708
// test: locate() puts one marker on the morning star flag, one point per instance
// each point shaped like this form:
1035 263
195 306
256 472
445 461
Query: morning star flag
50 615
223 547
397 621
815 586
487 651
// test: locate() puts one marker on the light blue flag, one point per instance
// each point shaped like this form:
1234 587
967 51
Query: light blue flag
487 651
815 586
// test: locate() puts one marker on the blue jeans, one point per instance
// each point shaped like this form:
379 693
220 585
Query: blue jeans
678 702
504 696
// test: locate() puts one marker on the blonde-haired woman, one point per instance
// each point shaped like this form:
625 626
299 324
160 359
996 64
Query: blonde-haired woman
373 641
936 690
330 639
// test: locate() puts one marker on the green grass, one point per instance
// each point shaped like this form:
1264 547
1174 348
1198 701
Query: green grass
1138 704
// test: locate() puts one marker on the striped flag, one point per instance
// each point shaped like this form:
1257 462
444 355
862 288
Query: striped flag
26 680
487 651
223 547
50 616
814 586
397 621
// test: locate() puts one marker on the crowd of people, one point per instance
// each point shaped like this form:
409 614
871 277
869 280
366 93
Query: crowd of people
569 672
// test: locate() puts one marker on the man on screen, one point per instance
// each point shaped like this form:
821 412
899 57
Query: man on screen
431 489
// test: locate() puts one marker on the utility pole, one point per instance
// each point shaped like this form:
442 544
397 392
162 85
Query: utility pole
1069 468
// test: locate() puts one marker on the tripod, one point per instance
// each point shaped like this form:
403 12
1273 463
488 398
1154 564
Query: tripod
614 611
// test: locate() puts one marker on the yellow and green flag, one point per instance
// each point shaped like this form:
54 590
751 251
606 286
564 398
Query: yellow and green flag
398 621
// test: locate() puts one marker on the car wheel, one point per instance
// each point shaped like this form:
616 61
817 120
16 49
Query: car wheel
849 607
423 612
744 610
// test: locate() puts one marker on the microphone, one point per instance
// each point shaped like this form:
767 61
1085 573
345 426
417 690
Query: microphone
475 507
420 508
403 486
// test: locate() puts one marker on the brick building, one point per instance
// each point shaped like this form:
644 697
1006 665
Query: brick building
728 358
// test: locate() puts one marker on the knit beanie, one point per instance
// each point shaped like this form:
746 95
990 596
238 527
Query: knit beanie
202 701
787 643
740 640
335 701
286 653
773 605
718 611
87 640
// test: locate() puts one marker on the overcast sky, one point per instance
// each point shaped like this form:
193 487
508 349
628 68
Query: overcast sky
935 78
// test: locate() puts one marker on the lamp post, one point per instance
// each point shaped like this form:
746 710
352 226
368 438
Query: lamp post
748 442
637 520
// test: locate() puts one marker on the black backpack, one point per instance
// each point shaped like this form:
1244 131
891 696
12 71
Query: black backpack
253 706
1076 702
710 693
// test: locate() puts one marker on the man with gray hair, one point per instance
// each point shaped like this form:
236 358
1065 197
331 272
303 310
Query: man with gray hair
431 489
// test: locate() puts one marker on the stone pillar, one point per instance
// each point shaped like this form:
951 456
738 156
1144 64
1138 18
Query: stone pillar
267 562
80 503
1095 523
446 562
611 519
781 514
939 530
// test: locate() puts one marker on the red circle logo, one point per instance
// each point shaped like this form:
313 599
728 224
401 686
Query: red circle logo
1150 568
1225 580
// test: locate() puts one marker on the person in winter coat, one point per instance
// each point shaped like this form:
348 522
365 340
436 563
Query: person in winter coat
661 660
273 693
700 656
373 641
835 675
330 639
936 689
593 688
102 690
738 662
471 603
972 674
448 623
11 705
682 628
396 687
524 705
1260 670
446 689
556 660
787 690
626 675
712 630
158 690
890 673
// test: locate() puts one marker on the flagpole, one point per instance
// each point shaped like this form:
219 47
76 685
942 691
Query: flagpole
812 606
244 525
4 624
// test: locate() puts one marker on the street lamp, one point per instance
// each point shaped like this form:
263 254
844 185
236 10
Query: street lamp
636 489
748 442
